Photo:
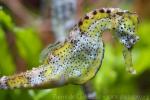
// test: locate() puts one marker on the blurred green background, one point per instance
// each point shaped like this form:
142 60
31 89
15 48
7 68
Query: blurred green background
25 30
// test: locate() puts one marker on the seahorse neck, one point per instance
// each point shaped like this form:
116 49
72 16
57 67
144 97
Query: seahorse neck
98 27
98 21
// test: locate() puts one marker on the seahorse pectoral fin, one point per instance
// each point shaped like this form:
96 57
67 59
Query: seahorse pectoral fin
47 50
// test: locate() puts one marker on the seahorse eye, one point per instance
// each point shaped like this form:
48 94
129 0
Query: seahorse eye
132 41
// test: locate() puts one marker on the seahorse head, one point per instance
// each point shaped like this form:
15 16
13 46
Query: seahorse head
122 21
127 27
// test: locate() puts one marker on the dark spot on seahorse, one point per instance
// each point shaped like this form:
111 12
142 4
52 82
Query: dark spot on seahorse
108 11
82 32
94 12
41 72
28 78
119 13
101 10
86 17
80 23
114 16
71 41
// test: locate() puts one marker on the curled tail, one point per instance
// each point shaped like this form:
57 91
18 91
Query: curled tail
15 81
41 77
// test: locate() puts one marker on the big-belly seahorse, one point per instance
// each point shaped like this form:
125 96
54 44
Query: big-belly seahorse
77 59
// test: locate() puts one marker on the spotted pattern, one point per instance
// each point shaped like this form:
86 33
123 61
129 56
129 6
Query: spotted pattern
78 58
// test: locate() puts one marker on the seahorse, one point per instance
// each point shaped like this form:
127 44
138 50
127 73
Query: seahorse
78 58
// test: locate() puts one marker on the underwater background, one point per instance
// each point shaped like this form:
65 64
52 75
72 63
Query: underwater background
28 26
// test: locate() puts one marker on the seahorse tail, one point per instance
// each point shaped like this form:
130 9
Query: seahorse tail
41 77
14 81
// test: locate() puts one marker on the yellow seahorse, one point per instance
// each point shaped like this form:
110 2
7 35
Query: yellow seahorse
77 59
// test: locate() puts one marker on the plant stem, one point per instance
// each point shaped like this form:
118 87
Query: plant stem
89 91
